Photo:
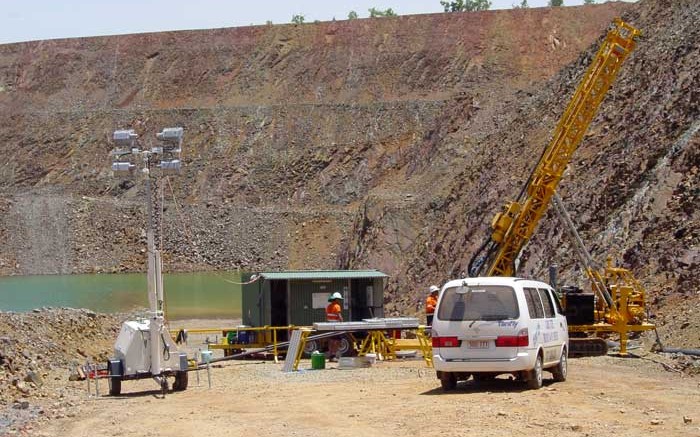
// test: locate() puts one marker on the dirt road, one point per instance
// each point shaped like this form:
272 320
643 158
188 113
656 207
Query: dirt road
603 396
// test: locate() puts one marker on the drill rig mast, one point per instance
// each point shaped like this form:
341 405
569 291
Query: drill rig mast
513 227
516 223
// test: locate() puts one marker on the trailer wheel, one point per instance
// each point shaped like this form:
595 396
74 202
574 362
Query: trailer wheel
310 347
345 347
115 385
181 380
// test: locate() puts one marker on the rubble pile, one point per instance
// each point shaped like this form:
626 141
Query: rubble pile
46 345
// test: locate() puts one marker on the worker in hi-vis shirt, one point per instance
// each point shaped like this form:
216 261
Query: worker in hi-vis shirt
430 304
334 313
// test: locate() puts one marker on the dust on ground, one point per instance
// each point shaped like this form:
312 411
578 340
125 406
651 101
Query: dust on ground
39 352
603 396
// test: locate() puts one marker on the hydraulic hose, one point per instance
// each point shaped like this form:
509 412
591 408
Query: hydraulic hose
672 350
693 352
476 264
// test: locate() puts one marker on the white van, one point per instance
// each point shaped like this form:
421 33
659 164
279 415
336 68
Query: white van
488 326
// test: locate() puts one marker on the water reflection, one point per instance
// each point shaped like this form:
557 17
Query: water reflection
187 295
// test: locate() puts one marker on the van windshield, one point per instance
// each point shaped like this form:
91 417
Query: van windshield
479 302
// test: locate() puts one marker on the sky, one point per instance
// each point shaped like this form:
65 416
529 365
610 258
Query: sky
28 20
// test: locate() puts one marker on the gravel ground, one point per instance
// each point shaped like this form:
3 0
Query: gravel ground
602 395
392 397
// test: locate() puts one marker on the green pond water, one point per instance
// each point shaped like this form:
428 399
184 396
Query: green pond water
187 295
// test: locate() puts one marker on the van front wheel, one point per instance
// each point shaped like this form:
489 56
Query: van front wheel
559 372
448 381
534 380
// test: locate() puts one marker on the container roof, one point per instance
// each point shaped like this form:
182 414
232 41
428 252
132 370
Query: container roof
324 274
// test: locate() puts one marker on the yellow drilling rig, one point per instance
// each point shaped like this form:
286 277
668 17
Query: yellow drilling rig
616 304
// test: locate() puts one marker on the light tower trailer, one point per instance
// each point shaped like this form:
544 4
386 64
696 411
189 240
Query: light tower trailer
144 348
132 358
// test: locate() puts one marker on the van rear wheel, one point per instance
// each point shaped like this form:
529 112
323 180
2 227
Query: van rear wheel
534 380
448 381
559 372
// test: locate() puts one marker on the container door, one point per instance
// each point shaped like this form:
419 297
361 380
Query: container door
308 300
362 292
252 302
278 306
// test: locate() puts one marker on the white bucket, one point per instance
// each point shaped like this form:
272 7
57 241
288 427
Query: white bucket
206 356
371 358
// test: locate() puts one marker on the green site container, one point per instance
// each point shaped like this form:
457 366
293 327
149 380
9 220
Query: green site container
299 297
318 360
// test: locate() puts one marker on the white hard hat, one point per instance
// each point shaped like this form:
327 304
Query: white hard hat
434 288
335 296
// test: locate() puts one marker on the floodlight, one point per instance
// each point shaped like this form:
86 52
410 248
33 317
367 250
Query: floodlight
129 155
121 167
172 166
124 138
171 135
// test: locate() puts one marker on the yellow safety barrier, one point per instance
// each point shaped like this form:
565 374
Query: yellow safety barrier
265 336
385 347
376 342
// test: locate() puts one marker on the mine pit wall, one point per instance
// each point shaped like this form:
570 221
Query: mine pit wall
254 193
357 61
294 135
631 187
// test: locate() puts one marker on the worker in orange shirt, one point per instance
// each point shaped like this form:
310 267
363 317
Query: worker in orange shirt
334 313
431 303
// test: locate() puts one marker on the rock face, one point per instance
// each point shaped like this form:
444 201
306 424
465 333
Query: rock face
630 186
289 131
378 143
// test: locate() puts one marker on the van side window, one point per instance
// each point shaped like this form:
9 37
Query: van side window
548 304
534 304
557 302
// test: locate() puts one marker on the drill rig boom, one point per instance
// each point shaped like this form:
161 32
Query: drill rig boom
513 227
620 298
